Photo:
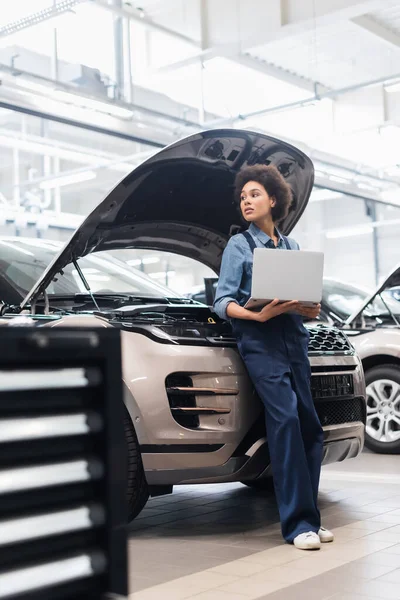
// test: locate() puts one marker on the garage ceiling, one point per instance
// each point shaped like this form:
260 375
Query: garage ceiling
205 64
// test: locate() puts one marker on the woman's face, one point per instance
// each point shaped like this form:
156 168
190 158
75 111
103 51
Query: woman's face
255 203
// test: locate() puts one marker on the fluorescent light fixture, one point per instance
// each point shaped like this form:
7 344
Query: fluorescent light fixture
61 181
82 101
76 99
162 274
98 278
134 263
349 232
318 195
151 260
33 86
338 178
365 186
148 260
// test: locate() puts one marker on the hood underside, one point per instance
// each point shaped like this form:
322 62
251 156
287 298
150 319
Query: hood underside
181 200
392 280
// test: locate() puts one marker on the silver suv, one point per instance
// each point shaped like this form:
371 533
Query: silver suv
192 415
372 321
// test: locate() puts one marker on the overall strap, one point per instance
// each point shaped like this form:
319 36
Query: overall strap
286 242
252 244
250 241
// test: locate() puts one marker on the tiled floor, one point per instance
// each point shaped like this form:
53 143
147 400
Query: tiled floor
223 542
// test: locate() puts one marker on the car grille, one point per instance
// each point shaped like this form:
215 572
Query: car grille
337 412
323 340
331 386
326 340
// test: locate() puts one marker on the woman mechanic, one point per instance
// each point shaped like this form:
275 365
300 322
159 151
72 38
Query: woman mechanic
273 344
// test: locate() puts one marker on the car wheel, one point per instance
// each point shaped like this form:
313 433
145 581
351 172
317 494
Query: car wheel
266 484
382 432
138 491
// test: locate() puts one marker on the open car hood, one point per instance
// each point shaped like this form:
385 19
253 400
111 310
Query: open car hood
392 280
181 200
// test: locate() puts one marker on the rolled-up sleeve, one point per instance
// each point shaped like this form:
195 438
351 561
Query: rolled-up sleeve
229 279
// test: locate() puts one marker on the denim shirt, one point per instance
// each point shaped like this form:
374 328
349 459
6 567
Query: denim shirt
234 283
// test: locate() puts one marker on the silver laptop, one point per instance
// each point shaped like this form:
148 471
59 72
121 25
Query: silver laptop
286 275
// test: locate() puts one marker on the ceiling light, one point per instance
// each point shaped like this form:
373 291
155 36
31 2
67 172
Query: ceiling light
338 178
150 260
61 181
134 263
162 274
324 194
74 98
97 277
31 85
349 232
83 102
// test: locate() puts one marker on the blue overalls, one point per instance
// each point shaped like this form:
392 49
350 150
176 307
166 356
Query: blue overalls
276 356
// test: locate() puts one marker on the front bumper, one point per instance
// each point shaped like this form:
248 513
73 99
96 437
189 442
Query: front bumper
340 442
215 451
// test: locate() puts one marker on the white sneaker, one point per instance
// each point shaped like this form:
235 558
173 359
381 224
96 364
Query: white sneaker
307 541
325 535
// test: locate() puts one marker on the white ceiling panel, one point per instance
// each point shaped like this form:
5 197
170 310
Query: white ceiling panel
336 56
388 17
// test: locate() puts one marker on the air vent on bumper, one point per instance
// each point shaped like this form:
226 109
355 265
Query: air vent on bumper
340 412
182 400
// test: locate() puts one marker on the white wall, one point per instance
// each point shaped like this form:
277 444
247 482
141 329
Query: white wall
350 258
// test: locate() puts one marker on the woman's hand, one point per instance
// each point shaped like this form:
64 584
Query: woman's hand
273 309
311 312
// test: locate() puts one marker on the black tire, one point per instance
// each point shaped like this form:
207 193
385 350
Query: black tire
138 491
266 484
389 373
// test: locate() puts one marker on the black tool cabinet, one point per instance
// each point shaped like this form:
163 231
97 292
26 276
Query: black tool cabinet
62 465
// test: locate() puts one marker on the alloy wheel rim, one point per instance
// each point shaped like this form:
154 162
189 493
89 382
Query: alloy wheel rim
383 410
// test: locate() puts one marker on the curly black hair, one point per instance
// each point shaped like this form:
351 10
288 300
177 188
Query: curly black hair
274 184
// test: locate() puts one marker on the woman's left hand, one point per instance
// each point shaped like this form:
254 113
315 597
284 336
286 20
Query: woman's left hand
311 312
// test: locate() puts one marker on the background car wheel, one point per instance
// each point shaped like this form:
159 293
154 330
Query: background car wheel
138 492
382 432
266 484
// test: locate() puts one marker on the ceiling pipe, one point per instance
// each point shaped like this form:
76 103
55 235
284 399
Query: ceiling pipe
51 84
304 102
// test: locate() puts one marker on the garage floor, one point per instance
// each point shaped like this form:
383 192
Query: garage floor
222 542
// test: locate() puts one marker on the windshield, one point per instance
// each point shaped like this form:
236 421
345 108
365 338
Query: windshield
23 260
343 300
